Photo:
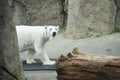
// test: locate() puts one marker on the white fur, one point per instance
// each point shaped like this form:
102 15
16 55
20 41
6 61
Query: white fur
33 39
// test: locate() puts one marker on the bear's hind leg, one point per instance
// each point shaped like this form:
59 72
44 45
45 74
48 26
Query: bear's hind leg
30 56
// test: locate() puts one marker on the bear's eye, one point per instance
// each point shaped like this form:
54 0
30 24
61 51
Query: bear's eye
55 28
50 29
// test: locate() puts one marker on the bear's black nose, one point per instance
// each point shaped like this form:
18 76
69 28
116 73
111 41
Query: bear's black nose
54 34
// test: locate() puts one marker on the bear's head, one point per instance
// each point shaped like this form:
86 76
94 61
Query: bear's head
51 31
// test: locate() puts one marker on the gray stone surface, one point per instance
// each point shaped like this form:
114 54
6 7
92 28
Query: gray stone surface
41 75
43 12
10 63
37 12
88 18
105 45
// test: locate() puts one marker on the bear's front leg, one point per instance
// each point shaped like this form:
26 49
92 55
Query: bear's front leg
30 61
46 60
43 55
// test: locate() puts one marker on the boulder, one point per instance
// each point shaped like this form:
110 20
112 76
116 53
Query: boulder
90 18
10 63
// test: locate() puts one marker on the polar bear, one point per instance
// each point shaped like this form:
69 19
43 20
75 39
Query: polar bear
33 38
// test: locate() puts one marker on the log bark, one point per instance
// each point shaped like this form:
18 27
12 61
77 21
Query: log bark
81 66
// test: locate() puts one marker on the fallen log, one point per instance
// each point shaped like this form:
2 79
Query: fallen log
80 66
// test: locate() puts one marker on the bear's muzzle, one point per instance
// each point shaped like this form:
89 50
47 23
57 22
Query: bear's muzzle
54 34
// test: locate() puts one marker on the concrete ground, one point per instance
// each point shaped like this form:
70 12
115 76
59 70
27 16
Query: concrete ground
40 75
105 45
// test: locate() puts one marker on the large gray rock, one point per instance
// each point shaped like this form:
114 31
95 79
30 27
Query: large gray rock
90 18
10 63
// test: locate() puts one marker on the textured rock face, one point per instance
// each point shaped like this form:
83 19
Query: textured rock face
87 18
43 12
19 15
39 12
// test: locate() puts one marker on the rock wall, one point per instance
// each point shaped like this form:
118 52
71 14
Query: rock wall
83 18
90 18
43 12
39 12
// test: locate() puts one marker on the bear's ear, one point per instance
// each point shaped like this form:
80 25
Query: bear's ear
58 27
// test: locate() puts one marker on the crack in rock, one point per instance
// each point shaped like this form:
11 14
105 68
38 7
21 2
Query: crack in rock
7 71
